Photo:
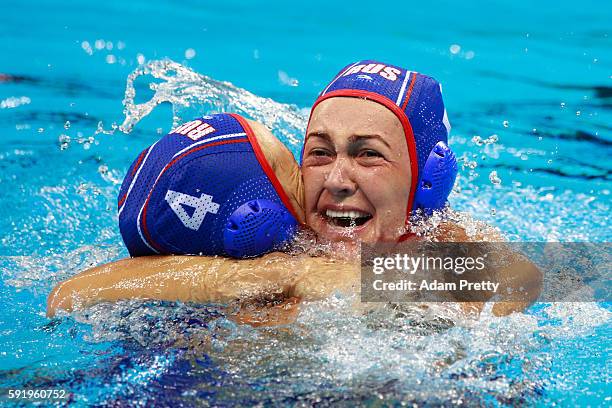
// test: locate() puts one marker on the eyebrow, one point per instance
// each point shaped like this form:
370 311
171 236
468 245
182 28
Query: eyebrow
321 135
353 139
363 138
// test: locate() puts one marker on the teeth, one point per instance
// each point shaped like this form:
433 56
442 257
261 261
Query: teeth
346 214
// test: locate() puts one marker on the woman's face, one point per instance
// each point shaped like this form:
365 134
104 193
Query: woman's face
356 171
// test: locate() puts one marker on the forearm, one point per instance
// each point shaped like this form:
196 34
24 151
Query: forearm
323 277
174 278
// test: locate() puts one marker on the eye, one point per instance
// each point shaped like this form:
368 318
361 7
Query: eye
369 153
318 156
319 152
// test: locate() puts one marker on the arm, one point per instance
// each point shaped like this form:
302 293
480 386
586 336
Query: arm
189 278
182 278
520 280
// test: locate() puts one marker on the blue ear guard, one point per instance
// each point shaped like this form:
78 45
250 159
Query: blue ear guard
437 179
257 227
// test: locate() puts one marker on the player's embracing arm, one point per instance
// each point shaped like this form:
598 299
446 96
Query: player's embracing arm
190 279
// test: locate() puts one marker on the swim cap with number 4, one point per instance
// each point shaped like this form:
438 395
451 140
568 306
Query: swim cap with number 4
206 188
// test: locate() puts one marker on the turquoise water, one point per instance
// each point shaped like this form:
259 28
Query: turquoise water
537 77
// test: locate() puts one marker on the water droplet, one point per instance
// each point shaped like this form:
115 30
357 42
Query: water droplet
472 164
87 47
477 140
578 113
140 58
455 48
563 104
469 55
67 125
492 139
100 44
493 212
111 59
102 169
547 197
190 53
64 141
493 178
285 79
549 161
40 130
506 123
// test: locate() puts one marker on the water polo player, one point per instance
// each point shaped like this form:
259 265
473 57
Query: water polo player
217 185
375 151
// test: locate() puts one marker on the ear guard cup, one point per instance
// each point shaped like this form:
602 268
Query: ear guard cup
437 179
257 227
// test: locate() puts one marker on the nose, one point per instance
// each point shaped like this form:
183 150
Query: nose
339 182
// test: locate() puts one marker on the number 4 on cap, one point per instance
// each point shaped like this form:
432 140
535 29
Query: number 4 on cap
203 205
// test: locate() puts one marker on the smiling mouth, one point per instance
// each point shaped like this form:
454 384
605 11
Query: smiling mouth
347 219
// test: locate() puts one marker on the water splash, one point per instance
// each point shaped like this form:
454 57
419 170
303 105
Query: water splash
395 352
333 353
194 94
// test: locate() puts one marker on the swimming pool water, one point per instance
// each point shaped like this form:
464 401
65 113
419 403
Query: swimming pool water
537 77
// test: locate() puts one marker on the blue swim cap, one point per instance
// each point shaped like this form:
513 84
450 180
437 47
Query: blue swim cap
205 188
416 100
